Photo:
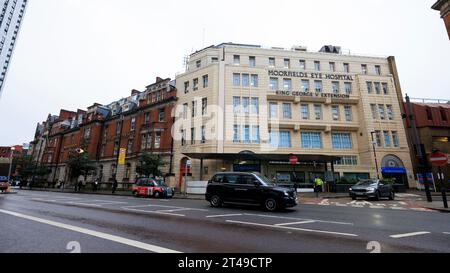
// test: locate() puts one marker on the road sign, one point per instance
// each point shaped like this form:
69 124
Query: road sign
293 160
438 159
122 155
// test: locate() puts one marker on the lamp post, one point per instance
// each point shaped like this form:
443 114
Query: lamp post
375 153
10 163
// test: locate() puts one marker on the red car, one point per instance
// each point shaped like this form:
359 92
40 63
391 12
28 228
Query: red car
149 187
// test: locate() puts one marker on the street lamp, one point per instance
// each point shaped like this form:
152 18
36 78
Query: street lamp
10 163
374 153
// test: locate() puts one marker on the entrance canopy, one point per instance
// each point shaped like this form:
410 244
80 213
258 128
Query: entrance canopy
250 156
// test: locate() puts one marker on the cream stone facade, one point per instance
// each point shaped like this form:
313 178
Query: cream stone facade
244 99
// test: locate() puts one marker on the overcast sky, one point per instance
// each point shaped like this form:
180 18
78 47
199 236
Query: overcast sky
72 53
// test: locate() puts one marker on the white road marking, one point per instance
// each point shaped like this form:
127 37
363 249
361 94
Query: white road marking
172 210
298 219
153 212
291 228
448 233
397 236
398 208
295 223
94 233
223 215
168 207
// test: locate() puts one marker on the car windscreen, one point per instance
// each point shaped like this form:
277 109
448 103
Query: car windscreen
367 183
266 180
160 183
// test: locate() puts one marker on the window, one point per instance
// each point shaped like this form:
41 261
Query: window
305 111
378 70
348 88
198 64
185 110
378 138
116 148
335 87
272 62
332 67
311 140
186 87
246 137
147 117
149 140
251 61
194 109
381 111
87 132
118 129
377 88
143 141
245 104
341 141
318 85
373 108
255 134
273 85
287 84
346 68
369 87
305 85
127 171
335 112
133 124
443 114
318 111
390 112
302 64
214 60
205 81
236 134
236 105
349 160
287 63
395 139
387 139
183 137
255 106
348 113
273 110
203 134
254 80
364 69
385 88
287 113
236 79
429 113
161 115
317 65
192 136
236 60
130 146
285 139
204 106
245 80
195 84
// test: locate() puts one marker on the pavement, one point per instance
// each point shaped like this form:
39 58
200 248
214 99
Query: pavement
91 223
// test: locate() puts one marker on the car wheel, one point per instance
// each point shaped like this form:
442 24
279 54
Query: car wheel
156 194
135 193
270 204
353 197
392 195
377 196
216 201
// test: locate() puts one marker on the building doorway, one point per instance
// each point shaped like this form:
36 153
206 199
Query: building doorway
183 171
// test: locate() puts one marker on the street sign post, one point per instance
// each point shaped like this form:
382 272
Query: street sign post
293 160
440 159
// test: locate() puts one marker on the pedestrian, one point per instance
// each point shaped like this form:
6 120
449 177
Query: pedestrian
318 185
62 185
96 184
80 185
114 186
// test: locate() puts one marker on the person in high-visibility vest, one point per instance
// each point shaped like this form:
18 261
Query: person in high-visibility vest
318 185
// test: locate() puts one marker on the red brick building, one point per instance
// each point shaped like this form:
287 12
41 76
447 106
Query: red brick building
444 7
140 122
433 125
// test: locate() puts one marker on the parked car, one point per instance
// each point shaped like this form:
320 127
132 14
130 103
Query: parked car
4 185
372 188
152 188
248 188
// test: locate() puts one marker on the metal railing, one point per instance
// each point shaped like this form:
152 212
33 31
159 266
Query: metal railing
438 101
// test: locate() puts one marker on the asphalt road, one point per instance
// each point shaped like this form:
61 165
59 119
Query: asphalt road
48 222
